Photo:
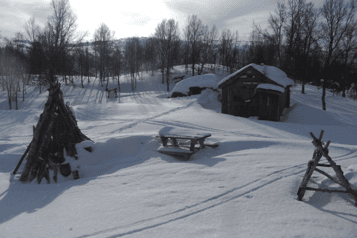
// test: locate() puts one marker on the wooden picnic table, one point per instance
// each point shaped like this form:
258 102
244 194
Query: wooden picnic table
174 134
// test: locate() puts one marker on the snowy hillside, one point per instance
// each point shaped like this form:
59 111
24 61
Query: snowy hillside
246 187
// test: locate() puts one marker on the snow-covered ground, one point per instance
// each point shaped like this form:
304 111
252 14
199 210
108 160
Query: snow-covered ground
244 188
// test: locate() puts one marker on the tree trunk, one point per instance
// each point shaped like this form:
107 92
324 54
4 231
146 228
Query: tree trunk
16 105
193 69
343 91
168 78
323 96
106 86
9 98
163 75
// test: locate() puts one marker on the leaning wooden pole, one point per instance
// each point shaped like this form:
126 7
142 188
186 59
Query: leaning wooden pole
22 158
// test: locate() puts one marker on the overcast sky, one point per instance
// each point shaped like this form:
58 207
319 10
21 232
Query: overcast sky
140 17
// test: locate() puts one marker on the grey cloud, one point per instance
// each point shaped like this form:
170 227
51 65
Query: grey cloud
218 12
14 14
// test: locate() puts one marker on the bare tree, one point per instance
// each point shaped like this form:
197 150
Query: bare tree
11 72
338 16
207 51
151 54
276 23
80 59
309 37
59 37
103 45
117 63
133 59
167 34
193 34
32 29
228 42
87 63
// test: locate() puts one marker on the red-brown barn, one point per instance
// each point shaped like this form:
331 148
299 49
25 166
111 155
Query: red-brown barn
256 90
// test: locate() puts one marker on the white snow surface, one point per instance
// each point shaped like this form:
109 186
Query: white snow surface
272 72
202 81
246 187
271 87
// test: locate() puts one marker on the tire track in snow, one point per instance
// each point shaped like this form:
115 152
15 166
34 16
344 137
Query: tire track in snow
207 204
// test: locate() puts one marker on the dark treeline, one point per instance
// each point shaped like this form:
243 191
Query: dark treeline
308 43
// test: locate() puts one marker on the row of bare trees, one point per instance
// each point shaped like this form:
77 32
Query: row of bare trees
310 43
306 42
13 71
57 51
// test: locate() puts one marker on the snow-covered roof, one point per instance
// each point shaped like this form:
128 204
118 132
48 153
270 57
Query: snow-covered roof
271 87
271 72
202 81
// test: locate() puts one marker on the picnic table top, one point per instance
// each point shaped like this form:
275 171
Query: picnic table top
173 132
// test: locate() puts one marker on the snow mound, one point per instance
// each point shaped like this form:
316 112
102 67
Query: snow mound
352 167
207 97
303 114
201 81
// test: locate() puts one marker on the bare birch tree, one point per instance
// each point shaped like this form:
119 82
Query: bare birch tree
337 16
167 33
193 34
103 45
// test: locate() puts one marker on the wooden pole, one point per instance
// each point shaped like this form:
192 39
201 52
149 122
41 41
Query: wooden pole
22 158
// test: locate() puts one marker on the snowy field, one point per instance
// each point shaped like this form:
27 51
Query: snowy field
244 188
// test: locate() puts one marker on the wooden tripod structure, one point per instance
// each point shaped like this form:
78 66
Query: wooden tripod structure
322 150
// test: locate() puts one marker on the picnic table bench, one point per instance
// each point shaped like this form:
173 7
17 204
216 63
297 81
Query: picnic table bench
182 149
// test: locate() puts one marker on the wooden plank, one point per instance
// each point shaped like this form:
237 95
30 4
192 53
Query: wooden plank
174 150
307 176
329 176
186 137
324 165
326 190
213 145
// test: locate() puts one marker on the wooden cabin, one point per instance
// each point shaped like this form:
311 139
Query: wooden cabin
256 90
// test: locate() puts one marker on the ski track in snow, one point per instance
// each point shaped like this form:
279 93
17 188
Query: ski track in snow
188 125
211 202
152 117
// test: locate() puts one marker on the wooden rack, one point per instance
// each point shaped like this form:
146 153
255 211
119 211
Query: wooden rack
321 149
